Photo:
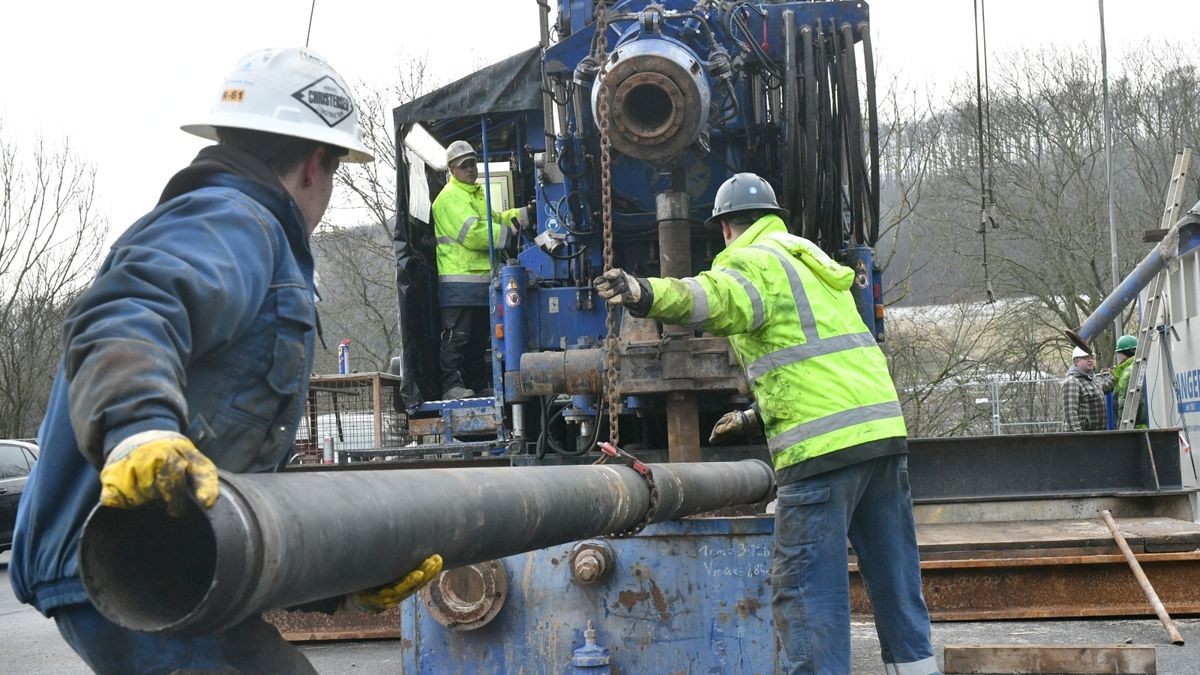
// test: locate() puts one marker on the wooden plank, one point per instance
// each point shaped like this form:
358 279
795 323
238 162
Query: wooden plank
1143 533
1050 659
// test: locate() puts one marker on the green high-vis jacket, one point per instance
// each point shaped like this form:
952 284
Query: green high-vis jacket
461 226
819 378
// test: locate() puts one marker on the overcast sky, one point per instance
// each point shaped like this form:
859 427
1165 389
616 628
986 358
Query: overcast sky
119 77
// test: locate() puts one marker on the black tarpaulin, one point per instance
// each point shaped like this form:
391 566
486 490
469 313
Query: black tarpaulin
511 85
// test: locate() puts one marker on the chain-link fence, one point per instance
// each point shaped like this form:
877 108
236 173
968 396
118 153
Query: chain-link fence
994 407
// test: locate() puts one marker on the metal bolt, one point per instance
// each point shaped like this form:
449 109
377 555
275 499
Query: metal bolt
589 567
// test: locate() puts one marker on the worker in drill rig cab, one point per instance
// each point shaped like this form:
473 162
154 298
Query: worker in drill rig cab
460 222
189 353
832 420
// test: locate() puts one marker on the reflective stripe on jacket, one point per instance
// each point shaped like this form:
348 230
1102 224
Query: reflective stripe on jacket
461 226
819 378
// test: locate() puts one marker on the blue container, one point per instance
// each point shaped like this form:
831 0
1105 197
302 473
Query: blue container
344 358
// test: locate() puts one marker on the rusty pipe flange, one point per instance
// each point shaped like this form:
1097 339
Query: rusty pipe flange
649 108
467 597
591 561
658 98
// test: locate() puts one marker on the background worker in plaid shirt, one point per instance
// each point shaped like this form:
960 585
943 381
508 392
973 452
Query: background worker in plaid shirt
1083 394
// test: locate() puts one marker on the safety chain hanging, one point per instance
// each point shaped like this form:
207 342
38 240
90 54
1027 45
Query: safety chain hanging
611 395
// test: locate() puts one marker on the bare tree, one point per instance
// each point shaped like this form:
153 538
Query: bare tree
1047 172
909 132
355 263
1049 261
50 241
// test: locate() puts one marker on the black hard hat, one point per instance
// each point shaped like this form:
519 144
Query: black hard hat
744 192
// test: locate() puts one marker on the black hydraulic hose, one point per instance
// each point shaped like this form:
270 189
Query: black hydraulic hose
824 150
872 129
547 439
851 122
808 172
283 539
837 140
791 110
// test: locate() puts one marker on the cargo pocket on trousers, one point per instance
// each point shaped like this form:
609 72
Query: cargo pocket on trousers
800 514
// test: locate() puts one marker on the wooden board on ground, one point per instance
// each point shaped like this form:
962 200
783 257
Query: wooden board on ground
977 659
1143 534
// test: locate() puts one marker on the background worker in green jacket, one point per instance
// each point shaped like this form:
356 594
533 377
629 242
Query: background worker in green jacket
460 222
832 421
1126 349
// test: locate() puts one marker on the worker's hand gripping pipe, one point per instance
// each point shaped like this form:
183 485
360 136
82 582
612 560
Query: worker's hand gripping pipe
278 540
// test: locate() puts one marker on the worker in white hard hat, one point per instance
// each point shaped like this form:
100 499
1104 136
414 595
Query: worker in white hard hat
189 353
1083 392
460 222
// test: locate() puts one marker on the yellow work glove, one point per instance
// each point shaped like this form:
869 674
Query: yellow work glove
734 425
387 596
157 465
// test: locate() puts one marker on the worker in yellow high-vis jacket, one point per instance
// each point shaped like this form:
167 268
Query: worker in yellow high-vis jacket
460 221
833 424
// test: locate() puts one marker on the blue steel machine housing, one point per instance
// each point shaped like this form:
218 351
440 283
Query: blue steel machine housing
697 91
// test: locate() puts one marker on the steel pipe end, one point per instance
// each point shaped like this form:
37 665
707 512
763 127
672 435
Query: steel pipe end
148 571
1077 340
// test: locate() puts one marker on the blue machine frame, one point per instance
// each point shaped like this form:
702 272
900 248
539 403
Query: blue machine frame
690 596
699 91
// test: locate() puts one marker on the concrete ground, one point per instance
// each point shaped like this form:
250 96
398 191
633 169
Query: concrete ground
34 647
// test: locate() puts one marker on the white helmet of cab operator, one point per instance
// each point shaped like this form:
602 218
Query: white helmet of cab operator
291 92
458 150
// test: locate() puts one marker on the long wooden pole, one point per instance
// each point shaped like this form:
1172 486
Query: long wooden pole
1144 582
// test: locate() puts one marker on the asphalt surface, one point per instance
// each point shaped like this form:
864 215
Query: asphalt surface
33 646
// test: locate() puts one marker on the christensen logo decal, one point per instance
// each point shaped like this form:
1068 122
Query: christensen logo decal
327 99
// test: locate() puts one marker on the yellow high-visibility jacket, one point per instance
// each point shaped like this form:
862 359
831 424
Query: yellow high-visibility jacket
818 376
461 226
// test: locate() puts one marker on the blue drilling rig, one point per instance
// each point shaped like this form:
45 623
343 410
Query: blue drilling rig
667 99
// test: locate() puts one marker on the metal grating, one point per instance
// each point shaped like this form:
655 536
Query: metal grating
347 413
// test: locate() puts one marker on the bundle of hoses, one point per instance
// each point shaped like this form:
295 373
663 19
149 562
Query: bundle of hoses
279 540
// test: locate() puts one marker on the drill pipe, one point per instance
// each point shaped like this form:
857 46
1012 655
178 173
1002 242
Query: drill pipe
283 539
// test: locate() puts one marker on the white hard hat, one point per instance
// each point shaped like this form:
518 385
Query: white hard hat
1079 353
458 150
291 92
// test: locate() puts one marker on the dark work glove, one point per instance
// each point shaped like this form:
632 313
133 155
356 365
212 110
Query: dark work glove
619 287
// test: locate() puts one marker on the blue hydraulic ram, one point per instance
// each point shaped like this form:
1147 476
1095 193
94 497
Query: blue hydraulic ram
1181 239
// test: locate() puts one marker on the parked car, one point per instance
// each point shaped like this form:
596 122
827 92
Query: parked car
16 461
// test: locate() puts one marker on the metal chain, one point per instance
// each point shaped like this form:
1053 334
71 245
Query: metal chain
609 451
612 397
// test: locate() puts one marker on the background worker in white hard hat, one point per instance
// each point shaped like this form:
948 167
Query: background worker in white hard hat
460 222
1083 394
190 352
833 425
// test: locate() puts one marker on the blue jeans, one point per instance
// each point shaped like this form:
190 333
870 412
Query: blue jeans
253 646
870 503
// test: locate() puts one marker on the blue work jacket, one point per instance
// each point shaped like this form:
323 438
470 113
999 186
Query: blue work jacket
201 320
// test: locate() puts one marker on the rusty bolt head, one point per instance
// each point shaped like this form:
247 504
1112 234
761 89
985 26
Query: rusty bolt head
588 568
591 562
